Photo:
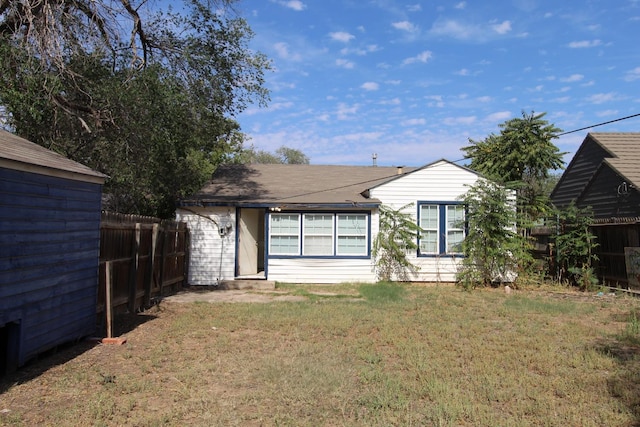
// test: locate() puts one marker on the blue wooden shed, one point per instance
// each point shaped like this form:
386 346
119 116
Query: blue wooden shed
49 249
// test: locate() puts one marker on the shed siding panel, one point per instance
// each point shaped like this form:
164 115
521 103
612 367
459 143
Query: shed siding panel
50 239
212 257
578 173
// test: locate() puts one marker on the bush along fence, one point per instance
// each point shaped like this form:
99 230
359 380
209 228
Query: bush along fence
141 259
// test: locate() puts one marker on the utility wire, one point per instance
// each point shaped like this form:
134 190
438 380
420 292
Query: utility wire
578 130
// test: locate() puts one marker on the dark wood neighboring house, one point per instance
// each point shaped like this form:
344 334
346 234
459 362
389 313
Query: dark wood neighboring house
316 223
604 174
49 243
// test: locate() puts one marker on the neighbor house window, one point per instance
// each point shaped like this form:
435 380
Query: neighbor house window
319 234
443 228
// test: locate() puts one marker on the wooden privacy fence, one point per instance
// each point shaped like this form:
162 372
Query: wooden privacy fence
141 258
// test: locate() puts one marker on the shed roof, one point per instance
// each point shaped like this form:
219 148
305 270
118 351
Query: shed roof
20 154
625 152
283 185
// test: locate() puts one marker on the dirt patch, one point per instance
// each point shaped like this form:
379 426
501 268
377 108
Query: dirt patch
218 296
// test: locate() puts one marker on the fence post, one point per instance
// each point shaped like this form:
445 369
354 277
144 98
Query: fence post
150 267
133 274
108 303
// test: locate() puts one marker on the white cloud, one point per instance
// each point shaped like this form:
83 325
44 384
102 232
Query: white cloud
370 86
484 99
423 57
632 75
463 120
463 72
498 117
344 63
414 8
296 5
413 122
394 101
435 101
585 44
572 78
600 98
341 36
345 111
502 28
405 26
282 49
607 113
461 5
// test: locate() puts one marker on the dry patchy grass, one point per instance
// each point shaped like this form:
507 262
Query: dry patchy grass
397 356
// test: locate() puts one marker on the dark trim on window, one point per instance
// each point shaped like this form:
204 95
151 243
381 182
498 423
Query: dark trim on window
301 237
442 228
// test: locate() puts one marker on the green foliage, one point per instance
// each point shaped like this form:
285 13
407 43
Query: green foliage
575 246
492 249
521 157
155 116
398 234
284 155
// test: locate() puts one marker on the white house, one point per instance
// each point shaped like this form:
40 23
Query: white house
316 224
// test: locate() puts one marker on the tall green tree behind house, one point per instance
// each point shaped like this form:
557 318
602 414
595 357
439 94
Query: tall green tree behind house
152 105
522 157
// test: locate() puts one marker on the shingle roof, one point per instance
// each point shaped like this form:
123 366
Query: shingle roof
18 153
278 184
625 149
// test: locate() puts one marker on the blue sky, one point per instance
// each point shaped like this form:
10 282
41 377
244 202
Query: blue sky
413 80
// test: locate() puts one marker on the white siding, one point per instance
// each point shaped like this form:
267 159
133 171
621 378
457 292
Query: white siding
314 270
439 182
212 257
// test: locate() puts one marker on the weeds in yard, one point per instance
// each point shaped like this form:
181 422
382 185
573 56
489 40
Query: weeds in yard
410 355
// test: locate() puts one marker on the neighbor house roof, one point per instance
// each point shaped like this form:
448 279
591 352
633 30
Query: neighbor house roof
283 185
19 154
625 152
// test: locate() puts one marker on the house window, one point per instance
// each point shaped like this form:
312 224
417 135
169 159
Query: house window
352 234
284 236
319 234
443 228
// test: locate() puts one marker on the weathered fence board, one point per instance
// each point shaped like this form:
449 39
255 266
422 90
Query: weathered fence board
147 256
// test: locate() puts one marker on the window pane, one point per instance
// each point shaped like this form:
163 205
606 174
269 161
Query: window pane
318 224
454 241
352 224
352 234
429 242
284 245
455 216
285 224
352 245
318 245
284 234
429 217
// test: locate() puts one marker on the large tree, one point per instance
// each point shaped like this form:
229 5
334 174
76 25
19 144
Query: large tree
521 157
284 155
151 105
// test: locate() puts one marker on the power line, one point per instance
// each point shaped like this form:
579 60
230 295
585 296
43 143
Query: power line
599 124
578 130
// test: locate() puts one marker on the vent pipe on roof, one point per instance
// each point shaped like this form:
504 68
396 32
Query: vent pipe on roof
399 170
375 159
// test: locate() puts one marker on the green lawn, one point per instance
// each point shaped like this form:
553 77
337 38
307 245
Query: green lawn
365 355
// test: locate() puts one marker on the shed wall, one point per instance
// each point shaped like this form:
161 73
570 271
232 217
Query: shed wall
605 196
50 240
